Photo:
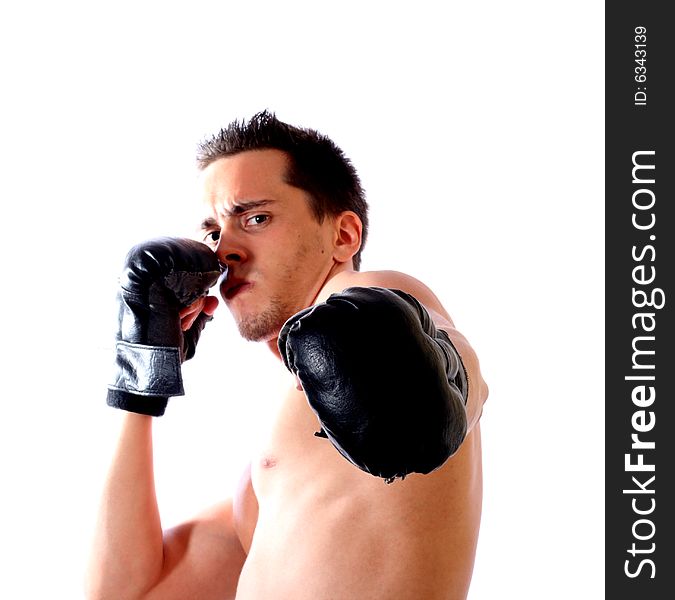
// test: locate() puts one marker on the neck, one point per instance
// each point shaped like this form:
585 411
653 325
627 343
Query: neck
324 290
274 348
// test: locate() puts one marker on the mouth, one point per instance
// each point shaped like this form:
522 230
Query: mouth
230 288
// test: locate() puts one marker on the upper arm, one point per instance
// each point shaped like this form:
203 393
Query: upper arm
202 558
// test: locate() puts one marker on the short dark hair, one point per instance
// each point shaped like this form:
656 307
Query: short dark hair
316 164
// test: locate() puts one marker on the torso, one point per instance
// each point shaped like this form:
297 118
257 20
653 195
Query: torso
316 527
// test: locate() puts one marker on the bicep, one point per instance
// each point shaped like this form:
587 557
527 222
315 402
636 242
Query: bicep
202 558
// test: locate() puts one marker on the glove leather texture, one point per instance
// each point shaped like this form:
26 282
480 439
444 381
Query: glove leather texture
160 277
387 386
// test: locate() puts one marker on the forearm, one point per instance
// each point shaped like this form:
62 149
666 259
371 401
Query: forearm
162 307
127 554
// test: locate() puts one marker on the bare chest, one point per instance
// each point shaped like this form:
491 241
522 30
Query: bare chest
290 450
287 457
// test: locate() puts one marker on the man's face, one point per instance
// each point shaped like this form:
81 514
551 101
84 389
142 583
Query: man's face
263 229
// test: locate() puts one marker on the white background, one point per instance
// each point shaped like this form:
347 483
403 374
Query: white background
478 132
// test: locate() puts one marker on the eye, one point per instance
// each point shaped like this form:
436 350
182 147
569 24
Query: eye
212 237
256 220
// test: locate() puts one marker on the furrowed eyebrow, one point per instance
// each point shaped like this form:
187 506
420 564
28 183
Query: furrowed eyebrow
236 210
243 207
208 223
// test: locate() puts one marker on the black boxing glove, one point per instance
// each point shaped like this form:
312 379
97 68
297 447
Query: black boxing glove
160 277
388 387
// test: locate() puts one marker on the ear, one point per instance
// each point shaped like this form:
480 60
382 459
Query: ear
347 240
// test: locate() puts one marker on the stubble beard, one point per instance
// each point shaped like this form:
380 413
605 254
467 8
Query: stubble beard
266 325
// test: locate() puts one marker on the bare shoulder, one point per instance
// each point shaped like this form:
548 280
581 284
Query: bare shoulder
478 389
386 279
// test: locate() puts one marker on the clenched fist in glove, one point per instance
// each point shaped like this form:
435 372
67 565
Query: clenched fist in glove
161 277
389 388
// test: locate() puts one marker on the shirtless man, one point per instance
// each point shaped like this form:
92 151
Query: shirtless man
304 523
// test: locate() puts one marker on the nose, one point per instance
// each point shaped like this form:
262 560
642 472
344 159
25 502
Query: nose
230 250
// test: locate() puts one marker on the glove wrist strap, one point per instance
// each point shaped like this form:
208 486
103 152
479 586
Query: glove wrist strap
153 406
